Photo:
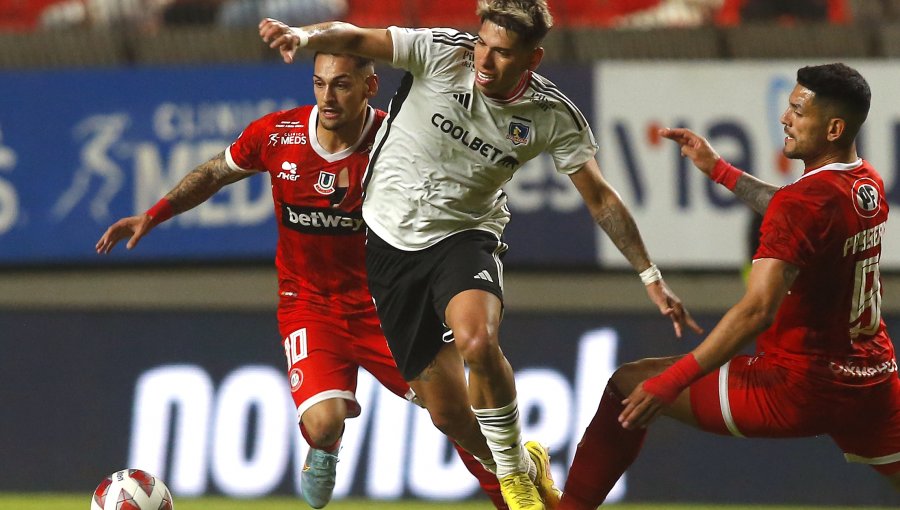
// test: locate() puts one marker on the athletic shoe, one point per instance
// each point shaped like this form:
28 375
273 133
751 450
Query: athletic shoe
317 477
520 493
544 480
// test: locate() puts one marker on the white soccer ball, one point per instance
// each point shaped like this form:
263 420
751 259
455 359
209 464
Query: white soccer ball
132 489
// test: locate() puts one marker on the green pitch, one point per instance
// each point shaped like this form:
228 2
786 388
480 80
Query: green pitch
82 502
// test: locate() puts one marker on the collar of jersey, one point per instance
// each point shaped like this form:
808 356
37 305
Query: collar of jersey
336 156
517 93
840 167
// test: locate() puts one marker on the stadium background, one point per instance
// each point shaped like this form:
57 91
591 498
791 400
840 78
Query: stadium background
168 358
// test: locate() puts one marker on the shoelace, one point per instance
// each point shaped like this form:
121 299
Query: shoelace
322 465
519 490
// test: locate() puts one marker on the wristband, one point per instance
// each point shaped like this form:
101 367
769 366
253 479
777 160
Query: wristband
651 275
673 380
161 211
302 37
725 174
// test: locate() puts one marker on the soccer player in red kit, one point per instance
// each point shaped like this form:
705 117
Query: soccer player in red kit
315 156
824 363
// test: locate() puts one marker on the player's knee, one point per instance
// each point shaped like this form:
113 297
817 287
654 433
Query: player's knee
477 346
626 378
323 429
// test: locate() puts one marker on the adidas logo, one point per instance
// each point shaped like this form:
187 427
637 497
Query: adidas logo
484 275
463 99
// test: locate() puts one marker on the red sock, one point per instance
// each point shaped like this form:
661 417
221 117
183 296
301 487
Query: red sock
604 453
488 481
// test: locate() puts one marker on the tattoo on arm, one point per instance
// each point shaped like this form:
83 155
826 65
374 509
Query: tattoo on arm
790 273
202 183
619 225
754 192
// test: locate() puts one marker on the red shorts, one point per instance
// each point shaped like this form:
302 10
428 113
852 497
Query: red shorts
324 355
766 398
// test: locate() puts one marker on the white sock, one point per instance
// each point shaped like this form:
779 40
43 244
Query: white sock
488 463
503 432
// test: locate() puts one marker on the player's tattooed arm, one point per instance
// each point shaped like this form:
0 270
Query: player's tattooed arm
608 211
614 218
754 192
203 182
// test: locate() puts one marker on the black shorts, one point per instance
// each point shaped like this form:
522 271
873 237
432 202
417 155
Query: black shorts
412 290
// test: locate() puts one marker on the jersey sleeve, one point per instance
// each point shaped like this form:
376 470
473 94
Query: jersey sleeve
245 154
574 147
794 228
416 49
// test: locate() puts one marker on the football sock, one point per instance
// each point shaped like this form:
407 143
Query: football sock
604 453
503 433
485 475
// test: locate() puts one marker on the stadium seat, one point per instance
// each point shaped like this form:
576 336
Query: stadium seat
889 35
818 40
200 45
61 49
383 13
665 43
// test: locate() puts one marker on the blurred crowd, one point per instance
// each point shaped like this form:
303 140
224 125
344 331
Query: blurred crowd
150 15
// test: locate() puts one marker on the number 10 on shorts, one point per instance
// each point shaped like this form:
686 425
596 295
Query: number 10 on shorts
295 347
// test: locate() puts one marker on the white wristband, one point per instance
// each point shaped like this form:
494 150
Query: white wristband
651 275
302 37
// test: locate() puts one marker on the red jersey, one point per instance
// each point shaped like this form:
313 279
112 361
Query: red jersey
829 223
318 205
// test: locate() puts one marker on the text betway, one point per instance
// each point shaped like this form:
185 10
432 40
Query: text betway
314 220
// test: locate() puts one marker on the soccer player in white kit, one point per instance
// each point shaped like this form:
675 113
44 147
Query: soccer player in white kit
469 112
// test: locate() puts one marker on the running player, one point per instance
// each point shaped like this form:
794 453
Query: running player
469 112
824 363
315 156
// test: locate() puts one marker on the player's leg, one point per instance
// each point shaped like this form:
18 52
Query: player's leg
606 448
323 386
411 305
373 354
870 432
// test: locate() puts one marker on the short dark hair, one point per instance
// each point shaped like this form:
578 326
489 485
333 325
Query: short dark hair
358 62
842 88
530 19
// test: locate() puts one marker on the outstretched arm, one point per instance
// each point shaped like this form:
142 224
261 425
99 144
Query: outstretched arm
769 282
610 213
194 189
752 191
329 37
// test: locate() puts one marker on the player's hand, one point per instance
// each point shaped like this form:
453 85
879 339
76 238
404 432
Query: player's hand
281 37
694 147
641 408
671 306
134 227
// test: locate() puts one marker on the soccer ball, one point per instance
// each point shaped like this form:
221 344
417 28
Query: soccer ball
132 489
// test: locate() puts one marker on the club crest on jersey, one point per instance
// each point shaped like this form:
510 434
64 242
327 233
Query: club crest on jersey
518 133
325 185
865 198
288 171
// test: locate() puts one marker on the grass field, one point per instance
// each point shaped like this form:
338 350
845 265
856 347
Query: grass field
82 502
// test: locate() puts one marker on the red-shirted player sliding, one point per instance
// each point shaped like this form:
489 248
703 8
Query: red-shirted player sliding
824 363
315 157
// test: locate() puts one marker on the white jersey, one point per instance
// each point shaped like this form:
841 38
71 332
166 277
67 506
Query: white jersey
445 150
